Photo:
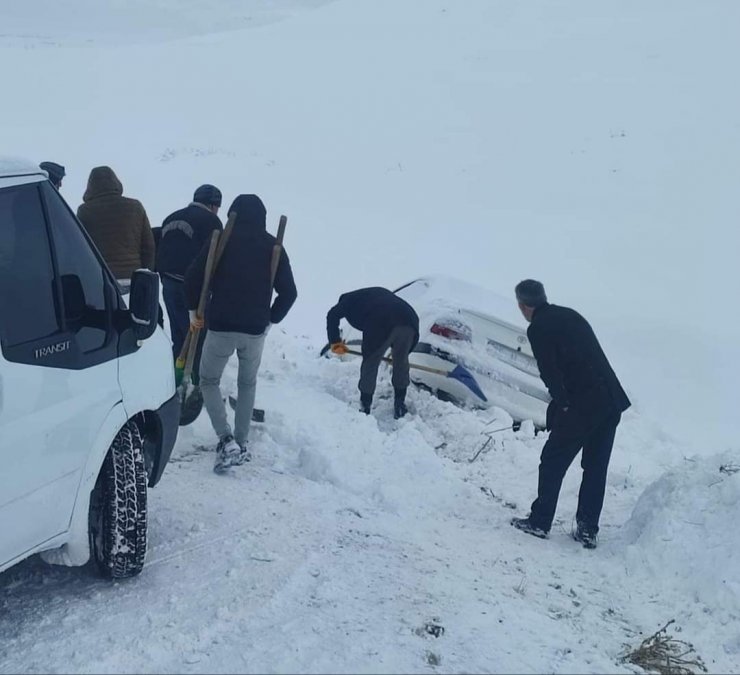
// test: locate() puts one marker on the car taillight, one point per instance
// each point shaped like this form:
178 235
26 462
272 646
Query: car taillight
452 331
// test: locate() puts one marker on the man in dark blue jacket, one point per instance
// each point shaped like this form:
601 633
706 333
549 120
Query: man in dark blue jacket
240 313
587 404
183 235
387 322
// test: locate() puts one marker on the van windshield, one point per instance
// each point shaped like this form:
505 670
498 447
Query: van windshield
28 310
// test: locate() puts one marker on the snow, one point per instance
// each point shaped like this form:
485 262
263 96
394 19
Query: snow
682 534
486 140
13 166
347 534
443 291
584 144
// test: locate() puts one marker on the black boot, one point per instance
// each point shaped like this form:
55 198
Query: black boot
366 402
399 404
586 535
526 525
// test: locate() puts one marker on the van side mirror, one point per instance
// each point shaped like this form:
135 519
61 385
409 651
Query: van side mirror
144 303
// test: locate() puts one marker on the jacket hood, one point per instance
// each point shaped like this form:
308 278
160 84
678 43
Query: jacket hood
251 214
102 181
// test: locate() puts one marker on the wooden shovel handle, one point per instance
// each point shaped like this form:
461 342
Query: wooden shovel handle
277 250
387 359
214 256
191 344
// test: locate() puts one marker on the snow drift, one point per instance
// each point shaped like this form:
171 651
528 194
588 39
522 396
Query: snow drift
683 537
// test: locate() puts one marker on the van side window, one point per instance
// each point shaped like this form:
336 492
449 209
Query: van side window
28 310
82 278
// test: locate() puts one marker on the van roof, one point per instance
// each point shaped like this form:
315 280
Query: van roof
16 166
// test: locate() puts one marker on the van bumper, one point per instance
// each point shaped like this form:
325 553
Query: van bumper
168 423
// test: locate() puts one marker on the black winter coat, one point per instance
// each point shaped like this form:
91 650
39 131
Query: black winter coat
182 237
376 312
240 289
573 366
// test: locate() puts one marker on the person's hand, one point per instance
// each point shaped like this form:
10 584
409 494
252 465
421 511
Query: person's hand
339 348
196 322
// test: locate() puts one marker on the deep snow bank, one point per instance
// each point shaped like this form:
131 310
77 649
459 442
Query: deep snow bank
684 535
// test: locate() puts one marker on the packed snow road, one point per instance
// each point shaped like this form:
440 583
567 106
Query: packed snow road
342 546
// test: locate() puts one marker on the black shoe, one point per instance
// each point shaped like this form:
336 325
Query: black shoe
365 403
526 525
586 536
399 410
399 404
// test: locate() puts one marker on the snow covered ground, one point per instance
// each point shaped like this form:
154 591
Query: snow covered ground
348 535
590 145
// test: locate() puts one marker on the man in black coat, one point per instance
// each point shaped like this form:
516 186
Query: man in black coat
587 403
240 313
182 236
386 322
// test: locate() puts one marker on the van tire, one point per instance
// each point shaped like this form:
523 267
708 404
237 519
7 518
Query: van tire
118 508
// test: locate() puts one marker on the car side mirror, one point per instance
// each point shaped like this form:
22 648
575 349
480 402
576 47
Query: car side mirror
144 303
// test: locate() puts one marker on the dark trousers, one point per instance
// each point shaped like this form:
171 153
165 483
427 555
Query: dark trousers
400 341
567 437
177 311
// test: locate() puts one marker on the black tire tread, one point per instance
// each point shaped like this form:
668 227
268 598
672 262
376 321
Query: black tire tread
124 506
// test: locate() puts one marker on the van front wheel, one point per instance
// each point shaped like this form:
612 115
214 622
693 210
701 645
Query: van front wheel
118 508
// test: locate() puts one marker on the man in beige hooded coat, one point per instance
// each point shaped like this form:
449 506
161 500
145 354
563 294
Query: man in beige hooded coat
117 225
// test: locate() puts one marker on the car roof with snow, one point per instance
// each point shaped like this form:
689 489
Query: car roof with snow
18 171
11 167
439 292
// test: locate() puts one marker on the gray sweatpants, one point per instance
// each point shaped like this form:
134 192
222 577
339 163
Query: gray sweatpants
217 350
400 342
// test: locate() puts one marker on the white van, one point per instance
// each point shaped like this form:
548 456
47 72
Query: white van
88 412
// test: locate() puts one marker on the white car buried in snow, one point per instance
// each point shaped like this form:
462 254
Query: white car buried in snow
465 325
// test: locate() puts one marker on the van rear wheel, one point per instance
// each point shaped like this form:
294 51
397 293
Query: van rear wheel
118 511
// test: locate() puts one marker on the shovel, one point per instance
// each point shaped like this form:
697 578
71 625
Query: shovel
459 373
191 399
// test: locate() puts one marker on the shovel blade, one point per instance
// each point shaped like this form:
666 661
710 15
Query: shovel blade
191 404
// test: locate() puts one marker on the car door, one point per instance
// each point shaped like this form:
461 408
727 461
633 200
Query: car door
58 369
